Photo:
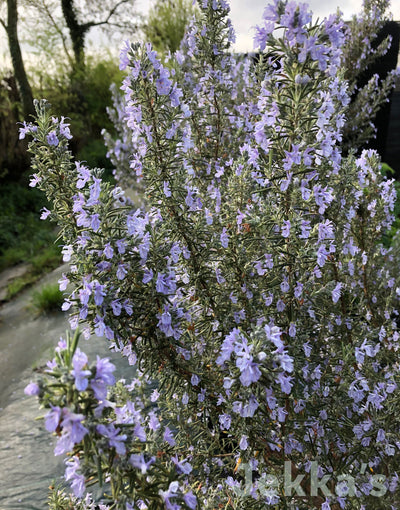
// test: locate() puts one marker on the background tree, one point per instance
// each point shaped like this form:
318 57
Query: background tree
166 23
106 14
11 28
67 23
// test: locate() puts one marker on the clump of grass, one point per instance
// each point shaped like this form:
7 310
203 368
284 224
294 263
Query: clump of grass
45 261
20 283
47 299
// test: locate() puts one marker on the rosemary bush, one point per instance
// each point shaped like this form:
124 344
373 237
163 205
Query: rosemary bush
251 291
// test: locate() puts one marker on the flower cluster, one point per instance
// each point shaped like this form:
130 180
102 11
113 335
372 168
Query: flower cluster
102 424
251 291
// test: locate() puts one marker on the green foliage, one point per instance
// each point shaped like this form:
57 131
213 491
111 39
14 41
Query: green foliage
47 259
166 24
85 95
23 236
47 299
58 500
19 284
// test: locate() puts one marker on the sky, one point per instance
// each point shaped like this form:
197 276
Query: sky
245 14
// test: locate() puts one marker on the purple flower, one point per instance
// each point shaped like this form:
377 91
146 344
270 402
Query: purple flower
104 370
83 219
292 330
121 271
52 419
45 213
95 222
99 326
72 423
323 197
298 290
84 175
322 255
227 346
292 158
248 410
376 399
26 128
72 432
77 481
116 440
243 443
64 129
182 466
273 334
259 268
170 493
167 189
138 461
144 246
52 139
108 251
168 436
305 229
280 305
79 361
194 380
249 371
67 252
175 95
147 275
85 293
140 433
286 362
285 285
225 421
190 500
286 228
116 307
326 230
163 84
35 179
121 246
262 33
32 389
123 55
165 323
166 283
224 238
109 333
95 190
99 293
285 382
152 56
336 292
380 437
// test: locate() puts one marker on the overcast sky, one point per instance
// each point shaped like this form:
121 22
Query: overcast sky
245 14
